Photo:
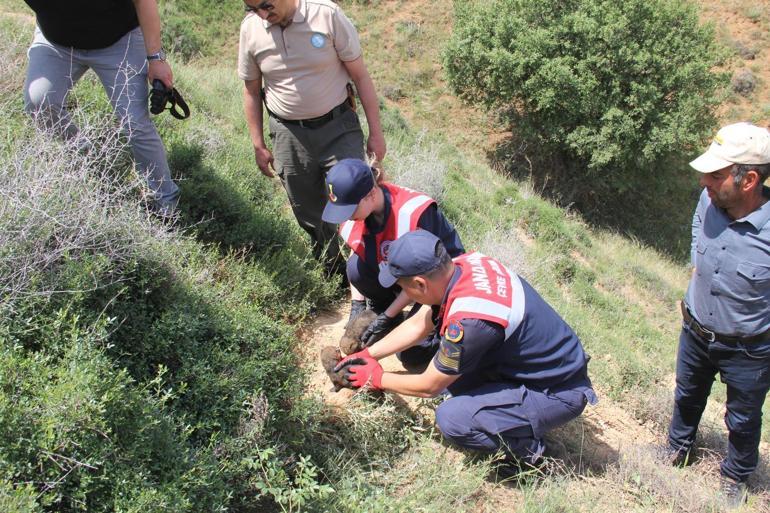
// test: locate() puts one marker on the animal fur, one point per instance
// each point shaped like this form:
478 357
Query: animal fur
330 357
351 340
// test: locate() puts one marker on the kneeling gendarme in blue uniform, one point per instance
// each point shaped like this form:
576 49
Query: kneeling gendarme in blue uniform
514 368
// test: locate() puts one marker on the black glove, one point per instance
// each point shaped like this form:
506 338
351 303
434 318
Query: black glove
379 327
357 306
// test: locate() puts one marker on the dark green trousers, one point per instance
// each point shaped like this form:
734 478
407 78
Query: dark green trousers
303 156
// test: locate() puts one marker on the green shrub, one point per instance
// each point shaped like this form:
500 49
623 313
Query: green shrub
193 28
84 434
129 352
610 88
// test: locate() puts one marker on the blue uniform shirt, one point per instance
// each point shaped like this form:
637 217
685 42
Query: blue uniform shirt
431 220
542 352
729 292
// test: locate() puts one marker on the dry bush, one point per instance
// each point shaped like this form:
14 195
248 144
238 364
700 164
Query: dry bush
504 244
654 407
209 136
58 202
642 473
419 167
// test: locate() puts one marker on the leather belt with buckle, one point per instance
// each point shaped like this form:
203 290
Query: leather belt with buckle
316 122
710 336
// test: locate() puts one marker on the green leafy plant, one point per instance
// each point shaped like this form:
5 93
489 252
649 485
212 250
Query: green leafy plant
291 486
611 89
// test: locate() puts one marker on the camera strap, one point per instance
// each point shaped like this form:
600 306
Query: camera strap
177 100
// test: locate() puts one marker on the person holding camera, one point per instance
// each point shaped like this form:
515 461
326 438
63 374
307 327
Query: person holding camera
304 53
120 41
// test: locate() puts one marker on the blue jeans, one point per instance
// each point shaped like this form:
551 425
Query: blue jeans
745 369
122 69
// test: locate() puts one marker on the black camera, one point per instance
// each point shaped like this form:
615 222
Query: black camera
160 96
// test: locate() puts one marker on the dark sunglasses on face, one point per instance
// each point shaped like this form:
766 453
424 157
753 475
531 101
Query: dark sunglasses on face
264 6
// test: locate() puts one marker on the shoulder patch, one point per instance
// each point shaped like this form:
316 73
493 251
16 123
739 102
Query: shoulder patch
449 356
454 332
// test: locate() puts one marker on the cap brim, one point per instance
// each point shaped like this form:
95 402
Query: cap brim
387 280
708 163
336 214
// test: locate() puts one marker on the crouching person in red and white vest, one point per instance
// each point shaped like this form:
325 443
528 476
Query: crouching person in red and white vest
512 367
371 217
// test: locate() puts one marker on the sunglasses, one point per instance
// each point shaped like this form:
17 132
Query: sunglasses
264 6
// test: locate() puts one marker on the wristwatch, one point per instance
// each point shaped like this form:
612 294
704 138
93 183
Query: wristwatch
160 55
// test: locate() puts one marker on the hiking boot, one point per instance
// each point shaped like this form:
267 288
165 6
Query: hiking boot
677 457
512 467
733 492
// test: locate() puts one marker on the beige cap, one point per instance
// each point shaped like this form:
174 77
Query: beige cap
739 143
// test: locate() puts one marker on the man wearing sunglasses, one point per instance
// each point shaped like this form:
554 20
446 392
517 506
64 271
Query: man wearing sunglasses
296 58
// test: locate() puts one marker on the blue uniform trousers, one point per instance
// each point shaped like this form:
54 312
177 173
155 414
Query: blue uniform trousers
491 416
745 369
364 277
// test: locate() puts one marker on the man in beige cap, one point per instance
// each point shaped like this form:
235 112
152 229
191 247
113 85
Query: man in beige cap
304 53
726 311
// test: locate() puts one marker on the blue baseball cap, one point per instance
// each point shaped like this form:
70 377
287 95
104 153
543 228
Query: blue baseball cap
347 183
412 254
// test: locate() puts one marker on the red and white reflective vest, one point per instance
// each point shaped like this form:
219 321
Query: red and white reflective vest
406 208
486 290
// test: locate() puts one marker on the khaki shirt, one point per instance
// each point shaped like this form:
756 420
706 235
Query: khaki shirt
302 64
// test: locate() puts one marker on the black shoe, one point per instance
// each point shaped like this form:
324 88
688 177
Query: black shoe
513 467
677 457
733 492
517 470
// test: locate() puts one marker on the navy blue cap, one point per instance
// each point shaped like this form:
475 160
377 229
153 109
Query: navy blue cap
412 254
347 183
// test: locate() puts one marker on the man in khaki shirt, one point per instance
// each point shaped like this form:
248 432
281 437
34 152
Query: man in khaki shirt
304 53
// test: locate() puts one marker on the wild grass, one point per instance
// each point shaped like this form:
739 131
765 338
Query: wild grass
131 352
186 360
11 56
418 167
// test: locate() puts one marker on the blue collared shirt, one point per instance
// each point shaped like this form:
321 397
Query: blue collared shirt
729 291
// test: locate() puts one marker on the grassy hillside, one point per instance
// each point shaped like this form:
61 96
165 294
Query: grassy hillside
164 374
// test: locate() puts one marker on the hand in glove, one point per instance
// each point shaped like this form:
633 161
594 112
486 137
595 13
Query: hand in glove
357 306
379 327
364 371
355 356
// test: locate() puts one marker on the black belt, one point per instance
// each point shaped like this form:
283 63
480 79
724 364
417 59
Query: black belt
710 336
316 122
